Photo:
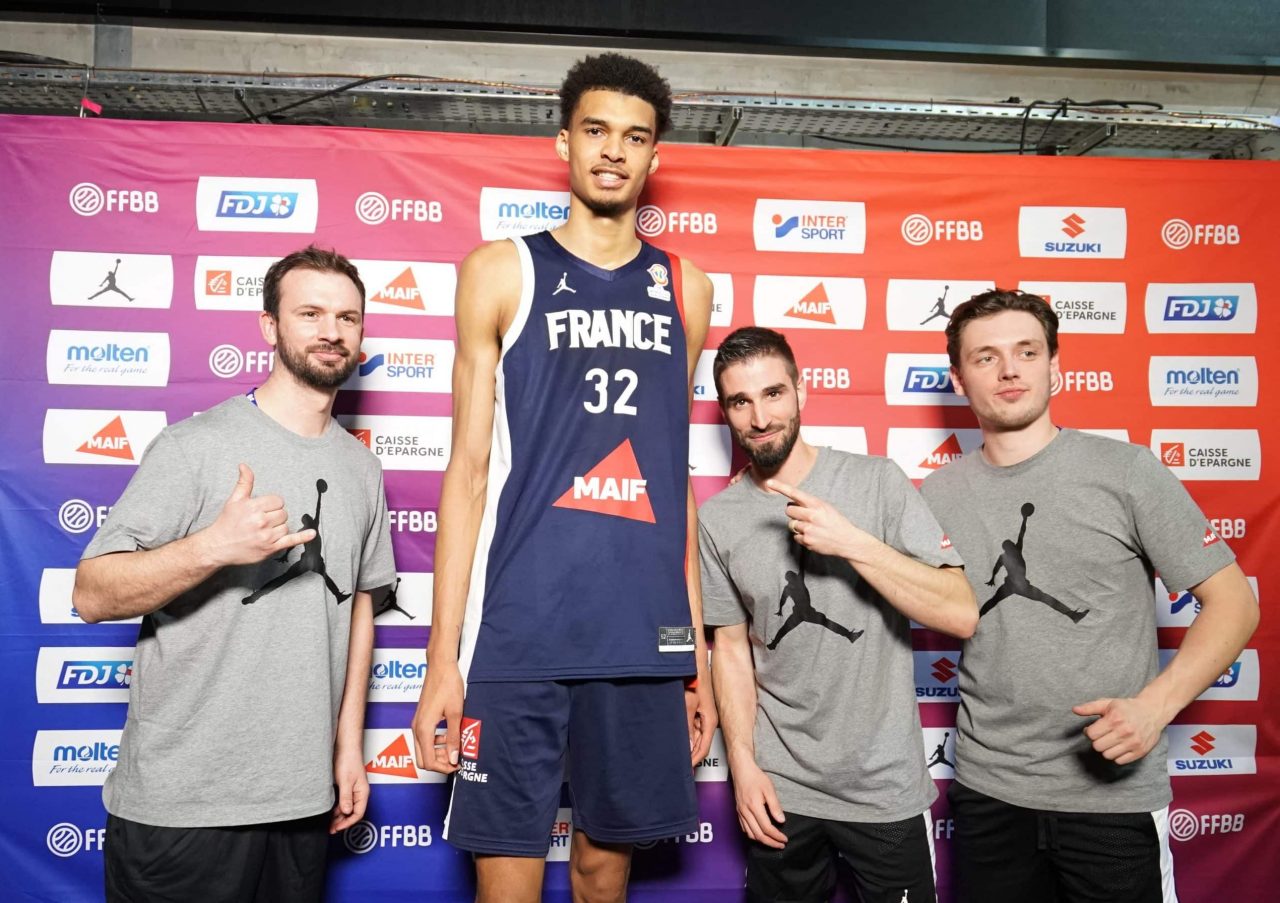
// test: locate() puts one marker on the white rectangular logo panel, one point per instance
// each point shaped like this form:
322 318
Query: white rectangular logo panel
850 439
1209 454
710 450
74 758
1202 307
90 279
1067 232
56 585
83 673
919 379
1088 307
409 602
230 283
823 227
397 674
921 451
721 299
936 675
1210 749
809 302
403 442
1180 609
715 767
704 380
1239 682
408 287
403 365
389 758
242 204
940 752
90 358
1203 381
99 437
925 305
505 212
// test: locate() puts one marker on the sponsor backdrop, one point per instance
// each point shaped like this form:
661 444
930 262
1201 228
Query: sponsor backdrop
133 258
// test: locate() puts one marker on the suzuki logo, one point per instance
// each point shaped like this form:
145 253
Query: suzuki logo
1073 225
944 669
1203 742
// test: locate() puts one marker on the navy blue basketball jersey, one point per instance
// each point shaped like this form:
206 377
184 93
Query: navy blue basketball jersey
579 569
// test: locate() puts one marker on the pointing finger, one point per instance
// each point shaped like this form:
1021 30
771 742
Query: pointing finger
294 539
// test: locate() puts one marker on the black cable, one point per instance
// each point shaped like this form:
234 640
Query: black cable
923 150
321 95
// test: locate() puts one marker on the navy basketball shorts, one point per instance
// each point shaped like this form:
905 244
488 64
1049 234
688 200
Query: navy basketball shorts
623 746
1007 854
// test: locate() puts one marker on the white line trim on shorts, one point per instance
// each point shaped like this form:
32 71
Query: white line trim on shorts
1168 891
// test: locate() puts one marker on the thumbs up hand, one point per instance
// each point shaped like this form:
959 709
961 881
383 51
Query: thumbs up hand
250 529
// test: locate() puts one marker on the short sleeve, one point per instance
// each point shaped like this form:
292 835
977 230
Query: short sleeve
909 525
377 564
721 605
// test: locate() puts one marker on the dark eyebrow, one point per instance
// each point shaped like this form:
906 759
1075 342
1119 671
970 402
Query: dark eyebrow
592 120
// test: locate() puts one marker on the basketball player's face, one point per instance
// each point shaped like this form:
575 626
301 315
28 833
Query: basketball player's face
610 148
1005 370
762 405
317 335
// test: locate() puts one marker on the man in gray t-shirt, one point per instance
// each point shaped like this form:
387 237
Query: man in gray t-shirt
249 541
1061 785
813 590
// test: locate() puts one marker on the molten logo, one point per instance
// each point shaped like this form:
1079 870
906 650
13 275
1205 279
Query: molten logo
470 738
944 669
1073 225
944 454
815 306
1173 454
402 291
1202 742
615 487
395 760
109 441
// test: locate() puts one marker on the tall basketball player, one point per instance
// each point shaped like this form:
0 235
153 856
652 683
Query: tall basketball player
564 612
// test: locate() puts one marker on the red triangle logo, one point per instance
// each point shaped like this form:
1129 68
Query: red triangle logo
1210 536
814 306
395 760
945 453
110 441
402 291
363 434
614 486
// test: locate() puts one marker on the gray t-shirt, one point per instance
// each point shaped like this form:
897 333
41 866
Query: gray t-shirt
1061 551
233 705
837 727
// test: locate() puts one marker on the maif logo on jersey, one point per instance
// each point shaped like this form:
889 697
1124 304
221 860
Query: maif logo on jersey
403 442
408 287
1072 232
78 357
921 451
244 204
710 450
74 758
1239 682
850 439
230 283
614 487
389 759
1180 609
1209 749
83 673
1209 454
1203 381
99 437
88 279
935 674
919 379
1202 307
1089 307
403 365
823 227
810 302
925 305
721 299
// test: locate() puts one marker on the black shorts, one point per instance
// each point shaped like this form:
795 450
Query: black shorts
1007 853
891 861
277 862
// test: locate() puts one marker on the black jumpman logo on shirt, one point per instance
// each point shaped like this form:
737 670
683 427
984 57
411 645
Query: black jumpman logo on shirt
939 308
109 284
1015 580
803 610
385 600
310 562
940 754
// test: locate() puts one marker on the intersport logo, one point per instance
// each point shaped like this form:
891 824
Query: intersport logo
823 227
919 451
925 305
403 365
849 439
919 379
1203 381
74 436
244 204
1209 454
505 212
1199 750
403 442
1072 232
76 357
810 302
92 279
74 758
1202 307
1084 307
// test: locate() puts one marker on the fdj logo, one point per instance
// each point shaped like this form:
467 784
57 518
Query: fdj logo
257 204
1229 677
65 839
90 674
1216 308
928 379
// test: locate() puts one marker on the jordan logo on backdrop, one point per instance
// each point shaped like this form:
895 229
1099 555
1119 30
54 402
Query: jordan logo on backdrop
939 307
802 609
385 600
1015 580
108 284
311 562
939 756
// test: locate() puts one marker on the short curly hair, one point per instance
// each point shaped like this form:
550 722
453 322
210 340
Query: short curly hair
615 72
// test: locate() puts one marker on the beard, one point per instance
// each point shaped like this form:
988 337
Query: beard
311 373
771 456
606 208
1010 421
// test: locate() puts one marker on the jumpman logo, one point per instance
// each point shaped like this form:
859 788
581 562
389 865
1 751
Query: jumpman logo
939 756
802 609
1015 580
939 307
388 602
564 286
109 284
310 562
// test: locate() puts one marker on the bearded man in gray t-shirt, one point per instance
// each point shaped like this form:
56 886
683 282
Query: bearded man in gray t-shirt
247 700
813 565
1061 789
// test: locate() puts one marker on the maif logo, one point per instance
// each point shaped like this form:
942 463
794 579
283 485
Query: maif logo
1072 232
505 212
99 437
1202 307
830 227
1210 749
389 759
1209 454
1203 381
615 487
919 379
408 287
88 358
256 205
83 674
86 279
919 451
810 302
